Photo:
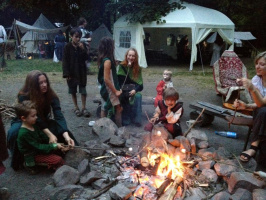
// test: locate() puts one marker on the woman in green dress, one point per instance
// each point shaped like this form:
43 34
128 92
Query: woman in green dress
129 72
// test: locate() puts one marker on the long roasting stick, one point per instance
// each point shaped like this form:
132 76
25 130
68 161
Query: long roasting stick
185 134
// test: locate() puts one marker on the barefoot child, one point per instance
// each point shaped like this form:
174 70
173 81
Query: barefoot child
162 85
107 77
168 113
33 143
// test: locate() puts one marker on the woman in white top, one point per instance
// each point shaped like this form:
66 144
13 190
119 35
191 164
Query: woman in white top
257 89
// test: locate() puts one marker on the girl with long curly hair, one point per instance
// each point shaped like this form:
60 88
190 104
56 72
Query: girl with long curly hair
107 77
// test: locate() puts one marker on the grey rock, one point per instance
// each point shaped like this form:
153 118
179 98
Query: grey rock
99 184
198 135
104 128
241 194
74 157
117 141
226 168
65 175
104 196
66 192
120 192
83 166
203 144
244 180
221 196
196 194
90 177
206 164
259 194
123 133
206 154
222 154
210 174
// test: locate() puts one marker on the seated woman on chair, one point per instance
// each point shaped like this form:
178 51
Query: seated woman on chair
129 72
257 89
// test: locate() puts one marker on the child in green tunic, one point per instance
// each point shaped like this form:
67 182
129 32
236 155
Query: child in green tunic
33 143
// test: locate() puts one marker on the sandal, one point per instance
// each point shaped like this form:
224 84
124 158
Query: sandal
77 112
248 156
86 113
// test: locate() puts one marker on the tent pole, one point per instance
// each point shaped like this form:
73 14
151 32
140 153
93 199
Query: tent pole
16 38
257 51
201 61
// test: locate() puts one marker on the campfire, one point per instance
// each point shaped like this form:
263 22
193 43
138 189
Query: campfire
154 166
157 172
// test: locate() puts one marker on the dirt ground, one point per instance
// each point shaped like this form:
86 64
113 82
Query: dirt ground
24 186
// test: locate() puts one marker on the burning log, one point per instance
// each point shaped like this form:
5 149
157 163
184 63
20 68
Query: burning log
164 185
170 193
156 166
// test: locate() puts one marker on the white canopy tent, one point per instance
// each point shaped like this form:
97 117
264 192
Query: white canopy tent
200 20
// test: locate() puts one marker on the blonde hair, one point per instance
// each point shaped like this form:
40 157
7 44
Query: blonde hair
259 56
168 72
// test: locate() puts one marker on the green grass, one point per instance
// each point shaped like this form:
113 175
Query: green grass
18 69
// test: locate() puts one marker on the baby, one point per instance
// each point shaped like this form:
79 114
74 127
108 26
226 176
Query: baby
162 85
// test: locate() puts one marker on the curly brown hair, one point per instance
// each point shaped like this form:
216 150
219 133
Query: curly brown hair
31 89
106 50
135 64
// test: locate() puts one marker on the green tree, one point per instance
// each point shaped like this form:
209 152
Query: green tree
143 10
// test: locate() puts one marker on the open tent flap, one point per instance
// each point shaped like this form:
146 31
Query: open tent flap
25 27
201 33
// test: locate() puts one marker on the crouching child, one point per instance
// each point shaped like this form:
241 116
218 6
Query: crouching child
168 112
33 143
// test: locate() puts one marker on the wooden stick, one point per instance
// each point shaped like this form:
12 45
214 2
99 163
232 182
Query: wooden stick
103 190
185 134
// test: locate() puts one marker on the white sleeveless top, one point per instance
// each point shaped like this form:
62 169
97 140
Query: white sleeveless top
257 82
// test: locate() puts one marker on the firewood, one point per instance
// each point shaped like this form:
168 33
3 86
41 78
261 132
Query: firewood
171 191
164 185
103 190
193 145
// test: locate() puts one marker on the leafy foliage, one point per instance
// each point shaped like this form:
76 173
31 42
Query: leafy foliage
143 10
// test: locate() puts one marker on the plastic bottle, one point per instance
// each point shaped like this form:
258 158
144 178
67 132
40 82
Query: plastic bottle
226 134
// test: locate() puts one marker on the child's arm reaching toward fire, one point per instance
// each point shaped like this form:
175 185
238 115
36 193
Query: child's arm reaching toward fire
155 115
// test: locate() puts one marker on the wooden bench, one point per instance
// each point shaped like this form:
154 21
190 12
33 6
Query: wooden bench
212 111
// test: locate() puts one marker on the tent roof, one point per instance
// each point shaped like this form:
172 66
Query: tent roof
43 22
98 34
192 15
244 36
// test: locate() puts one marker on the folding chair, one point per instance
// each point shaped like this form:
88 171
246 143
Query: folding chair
225 72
